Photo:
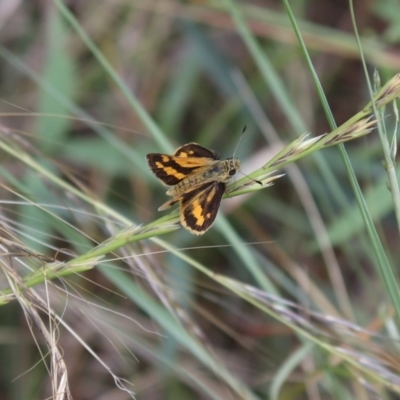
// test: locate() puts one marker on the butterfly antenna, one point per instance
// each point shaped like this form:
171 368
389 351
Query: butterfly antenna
237 144
254 180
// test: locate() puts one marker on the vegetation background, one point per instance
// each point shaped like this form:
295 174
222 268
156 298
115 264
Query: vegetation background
285 297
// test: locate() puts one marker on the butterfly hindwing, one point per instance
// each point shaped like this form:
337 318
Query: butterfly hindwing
195 150
200 207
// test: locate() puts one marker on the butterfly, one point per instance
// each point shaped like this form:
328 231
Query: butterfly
198 179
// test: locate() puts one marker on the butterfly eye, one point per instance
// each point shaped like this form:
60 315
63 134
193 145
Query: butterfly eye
232 172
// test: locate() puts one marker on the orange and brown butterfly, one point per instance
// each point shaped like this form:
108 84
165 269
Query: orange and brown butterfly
199 181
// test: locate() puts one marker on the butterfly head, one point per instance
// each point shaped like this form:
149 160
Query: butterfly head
233 166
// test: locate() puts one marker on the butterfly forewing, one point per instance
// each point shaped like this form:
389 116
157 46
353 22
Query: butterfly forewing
172 169
200 207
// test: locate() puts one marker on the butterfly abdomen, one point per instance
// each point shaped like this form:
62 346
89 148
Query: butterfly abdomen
218 171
